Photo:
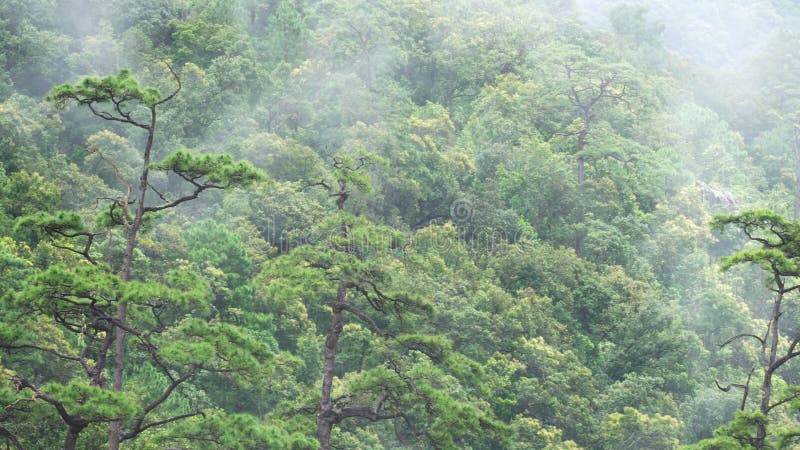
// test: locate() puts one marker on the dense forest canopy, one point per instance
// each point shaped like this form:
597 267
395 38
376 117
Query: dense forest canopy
460 224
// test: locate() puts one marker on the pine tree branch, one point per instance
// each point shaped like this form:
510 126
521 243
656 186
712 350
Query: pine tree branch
199 189
138 427
373 326
21 384
108 116
50 351
158 423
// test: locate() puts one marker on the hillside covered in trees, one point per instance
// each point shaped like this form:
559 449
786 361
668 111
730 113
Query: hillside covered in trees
404 224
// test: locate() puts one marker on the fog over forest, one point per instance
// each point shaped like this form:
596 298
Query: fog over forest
399 224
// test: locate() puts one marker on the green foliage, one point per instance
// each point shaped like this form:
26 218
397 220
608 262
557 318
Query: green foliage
211 244
632 429
29 137
196 342
779 246
14 264
26 193
735 435
287 33
93 403
201 41
83 288
235 431
217 169
64 223
283 159
449 135
630 21
115 89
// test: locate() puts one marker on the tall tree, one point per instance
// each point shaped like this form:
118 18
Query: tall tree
354 281
596 95
777 252
123 94
121 99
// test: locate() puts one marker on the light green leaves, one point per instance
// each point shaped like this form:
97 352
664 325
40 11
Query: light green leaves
93 403
216 346
218 169
778 241
117 89
63 223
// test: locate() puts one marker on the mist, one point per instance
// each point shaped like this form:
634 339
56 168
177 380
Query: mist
399 224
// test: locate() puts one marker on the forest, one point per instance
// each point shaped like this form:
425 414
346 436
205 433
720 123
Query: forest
399 224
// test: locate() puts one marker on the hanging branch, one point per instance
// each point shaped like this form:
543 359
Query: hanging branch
177 80
759 339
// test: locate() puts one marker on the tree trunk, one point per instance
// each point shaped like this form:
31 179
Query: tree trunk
766 387
581 177
797 177
326 416
71 441
370 71
114 429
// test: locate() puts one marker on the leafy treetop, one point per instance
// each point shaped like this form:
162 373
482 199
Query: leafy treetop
122 91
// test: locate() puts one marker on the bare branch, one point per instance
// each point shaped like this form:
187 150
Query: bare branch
108 116
114 167
97 371
200 188
167 392
791 353
131 435
758 338
177 79
138 427
325 186
86 251
159 194
729 386
364 318
793 288
783 401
